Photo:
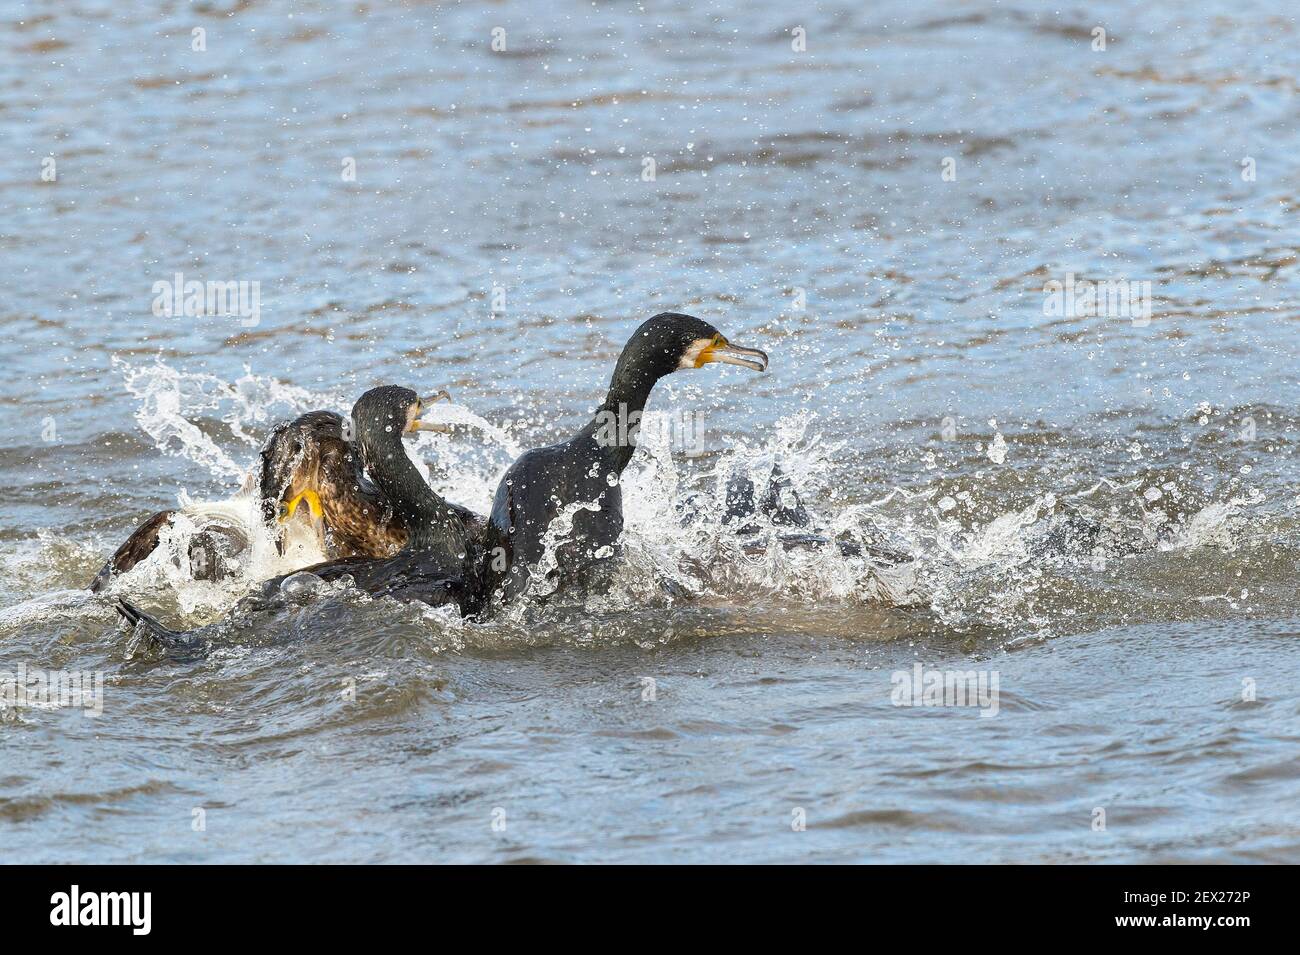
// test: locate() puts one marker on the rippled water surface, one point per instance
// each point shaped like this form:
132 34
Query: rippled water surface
1099 512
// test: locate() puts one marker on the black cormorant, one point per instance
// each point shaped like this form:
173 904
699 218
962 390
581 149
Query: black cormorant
580 477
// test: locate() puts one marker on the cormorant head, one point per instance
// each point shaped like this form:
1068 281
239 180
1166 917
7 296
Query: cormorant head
379 419
382 415
672 341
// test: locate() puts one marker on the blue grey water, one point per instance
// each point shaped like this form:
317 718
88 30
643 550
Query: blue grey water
1097 510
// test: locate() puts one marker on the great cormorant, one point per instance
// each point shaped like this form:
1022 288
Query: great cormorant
580 477
308 460
438 555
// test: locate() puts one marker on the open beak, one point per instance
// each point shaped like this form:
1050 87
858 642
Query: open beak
313 505
286 515
721 350
418 425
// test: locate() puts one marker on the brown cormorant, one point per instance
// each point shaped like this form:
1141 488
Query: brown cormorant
580 477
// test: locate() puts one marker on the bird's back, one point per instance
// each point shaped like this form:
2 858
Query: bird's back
535 490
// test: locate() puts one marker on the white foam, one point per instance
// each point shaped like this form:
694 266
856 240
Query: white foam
989 569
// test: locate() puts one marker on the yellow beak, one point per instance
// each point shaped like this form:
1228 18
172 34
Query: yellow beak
721 350
313 505
418 425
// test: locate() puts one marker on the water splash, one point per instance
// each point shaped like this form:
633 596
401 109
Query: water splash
170 401
951 546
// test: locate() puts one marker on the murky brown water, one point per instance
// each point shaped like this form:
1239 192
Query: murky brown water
1099 511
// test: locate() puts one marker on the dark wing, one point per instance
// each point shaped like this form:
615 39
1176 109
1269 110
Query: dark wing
142 542
176 644
405 577
508 540
780 503
409 577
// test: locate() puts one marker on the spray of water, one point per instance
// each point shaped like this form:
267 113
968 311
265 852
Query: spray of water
964 557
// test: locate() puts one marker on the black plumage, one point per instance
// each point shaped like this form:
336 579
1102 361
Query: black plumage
582 475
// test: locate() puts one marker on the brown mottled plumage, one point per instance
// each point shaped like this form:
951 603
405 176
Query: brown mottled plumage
310 454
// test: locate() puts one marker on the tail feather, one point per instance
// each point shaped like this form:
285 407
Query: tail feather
176 643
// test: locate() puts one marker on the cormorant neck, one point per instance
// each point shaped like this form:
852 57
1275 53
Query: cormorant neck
430 523
618 419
